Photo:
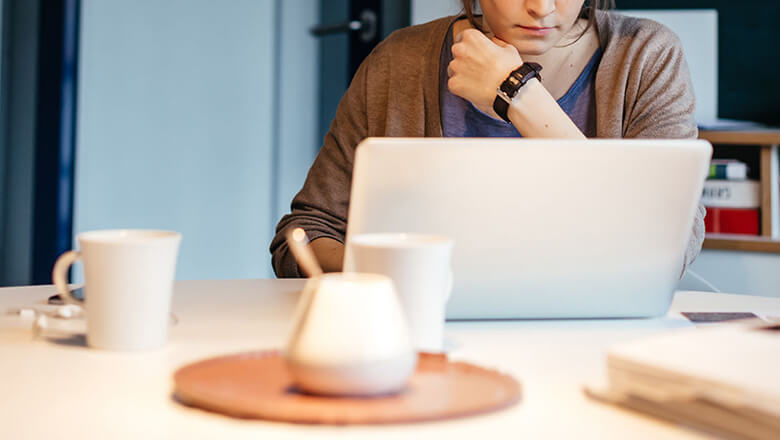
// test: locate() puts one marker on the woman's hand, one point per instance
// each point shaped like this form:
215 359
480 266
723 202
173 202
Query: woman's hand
329 253
479 65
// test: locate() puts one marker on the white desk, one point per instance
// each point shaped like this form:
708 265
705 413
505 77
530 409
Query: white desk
51 390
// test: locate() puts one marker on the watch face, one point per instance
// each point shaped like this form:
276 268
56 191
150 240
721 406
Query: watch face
519 77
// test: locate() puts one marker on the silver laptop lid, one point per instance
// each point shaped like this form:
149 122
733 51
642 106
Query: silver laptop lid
542 228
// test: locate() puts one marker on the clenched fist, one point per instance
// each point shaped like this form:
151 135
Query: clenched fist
479 65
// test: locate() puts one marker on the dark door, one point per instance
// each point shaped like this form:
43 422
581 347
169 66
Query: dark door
348 31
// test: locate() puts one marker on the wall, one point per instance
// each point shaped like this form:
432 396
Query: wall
17 146
298 66
190 119
427 10
740 272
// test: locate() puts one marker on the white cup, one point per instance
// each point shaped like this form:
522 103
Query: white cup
420 267
128 286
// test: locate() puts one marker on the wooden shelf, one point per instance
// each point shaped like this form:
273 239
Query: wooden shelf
747 243
767 140
768 136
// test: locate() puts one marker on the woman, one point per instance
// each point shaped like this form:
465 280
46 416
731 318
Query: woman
604 75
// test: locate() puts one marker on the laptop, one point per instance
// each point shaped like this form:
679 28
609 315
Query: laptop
542 228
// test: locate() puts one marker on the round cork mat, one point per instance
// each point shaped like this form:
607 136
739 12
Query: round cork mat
258 385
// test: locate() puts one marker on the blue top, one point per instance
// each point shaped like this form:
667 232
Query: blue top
459 117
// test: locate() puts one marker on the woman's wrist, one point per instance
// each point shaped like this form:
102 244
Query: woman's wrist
535 113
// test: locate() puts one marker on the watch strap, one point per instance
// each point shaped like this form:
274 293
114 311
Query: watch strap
511 85
501 107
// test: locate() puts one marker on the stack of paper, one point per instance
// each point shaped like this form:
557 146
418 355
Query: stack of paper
724 378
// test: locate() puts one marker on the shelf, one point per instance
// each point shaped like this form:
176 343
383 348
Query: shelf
768 136
768 142
749 243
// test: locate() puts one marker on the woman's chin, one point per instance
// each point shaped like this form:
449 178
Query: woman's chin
531 49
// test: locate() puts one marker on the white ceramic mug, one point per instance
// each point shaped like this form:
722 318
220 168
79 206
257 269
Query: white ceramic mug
350 337
420 267
128 286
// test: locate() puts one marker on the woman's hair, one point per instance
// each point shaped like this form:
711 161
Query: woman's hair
588 11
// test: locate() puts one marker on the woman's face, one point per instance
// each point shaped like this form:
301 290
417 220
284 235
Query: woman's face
532 26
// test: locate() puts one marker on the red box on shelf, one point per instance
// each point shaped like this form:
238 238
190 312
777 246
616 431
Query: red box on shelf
731 221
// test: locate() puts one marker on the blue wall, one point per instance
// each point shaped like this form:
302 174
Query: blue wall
176 126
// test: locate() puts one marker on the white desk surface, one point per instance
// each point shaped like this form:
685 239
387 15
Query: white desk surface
52 388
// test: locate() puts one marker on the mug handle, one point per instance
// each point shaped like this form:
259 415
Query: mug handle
59 276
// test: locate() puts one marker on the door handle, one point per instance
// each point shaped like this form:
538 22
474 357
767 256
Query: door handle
367 25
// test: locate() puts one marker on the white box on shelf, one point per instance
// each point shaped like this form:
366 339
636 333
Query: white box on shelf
731 194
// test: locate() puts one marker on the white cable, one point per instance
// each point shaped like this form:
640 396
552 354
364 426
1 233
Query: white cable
706 283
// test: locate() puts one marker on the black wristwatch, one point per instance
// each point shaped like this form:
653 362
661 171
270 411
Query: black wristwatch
511 85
